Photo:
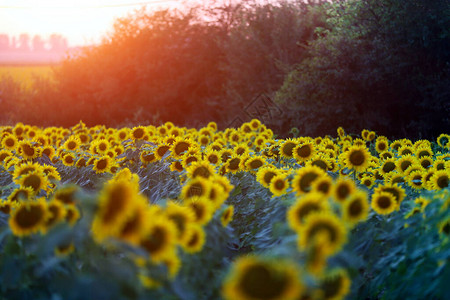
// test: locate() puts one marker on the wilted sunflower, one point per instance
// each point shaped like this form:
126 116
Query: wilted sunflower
334 285
383 203
305 205
305 177
356 208
319 223
252 278
28 217
357 158
102 164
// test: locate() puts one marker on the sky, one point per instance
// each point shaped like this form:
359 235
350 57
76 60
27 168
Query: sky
82 22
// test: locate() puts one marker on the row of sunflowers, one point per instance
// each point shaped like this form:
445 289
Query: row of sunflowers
167 212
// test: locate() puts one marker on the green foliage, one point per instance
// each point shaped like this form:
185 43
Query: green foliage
383 65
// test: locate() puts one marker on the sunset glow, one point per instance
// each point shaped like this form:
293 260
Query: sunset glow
82 22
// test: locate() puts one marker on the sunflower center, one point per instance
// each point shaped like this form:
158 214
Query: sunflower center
381 146
68 159
446 228
342 191
28 218
255 164
324 187
233 164
306 209
116 202
55 213
138 133
194 240
9 142
268 176
287 149
155 241
305 181
199 211
213 159
279 184
33 181
28 150
181 147
331 287
180 222
320 227
442 182
259 282
405 165
357 158
304 151
384 202
162 150
71 145
102 164
388 167
131 225
321 164
196 189
355 209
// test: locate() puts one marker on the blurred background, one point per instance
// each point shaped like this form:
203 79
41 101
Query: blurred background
382 65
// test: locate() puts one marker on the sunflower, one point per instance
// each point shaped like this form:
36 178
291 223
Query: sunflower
116 203
25 168
305 177
180 146
254 163
161 150
423 151
181 216
7 206
134 227
394 189
287 148
304 151
316 255
72 143
4 154
233 164
356 208
440 179
227 215
68 159
57 213
196 187
202 208
241 149
279 185
305 205
28 150
323 185
159 239
387 167
368 180
176 166
36 180
49 151
357 158
67 194
147 157
443 140
213 157
383 203
102 164
9 142
386 155
195 240
404 162
426 161
405 150
265 175
138 133
415 179
334 285
382 144
444 227
21 194
319 223
253 277
29 217
72 214
342 189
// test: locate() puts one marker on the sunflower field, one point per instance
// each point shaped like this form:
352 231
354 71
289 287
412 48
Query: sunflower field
168 212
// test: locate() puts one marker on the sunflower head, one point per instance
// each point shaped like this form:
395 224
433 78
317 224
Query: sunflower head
356 208
227 215
383 203
28 217
335 284
357 158
342 189
305 205
252 277
305 177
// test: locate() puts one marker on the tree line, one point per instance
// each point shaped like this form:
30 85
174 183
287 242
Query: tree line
383 65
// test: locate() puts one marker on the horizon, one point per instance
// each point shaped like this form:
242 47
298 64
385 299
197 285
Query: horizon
82 23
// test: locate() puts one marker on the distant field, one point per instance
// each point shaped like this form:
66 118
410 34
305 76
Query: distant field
25 74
